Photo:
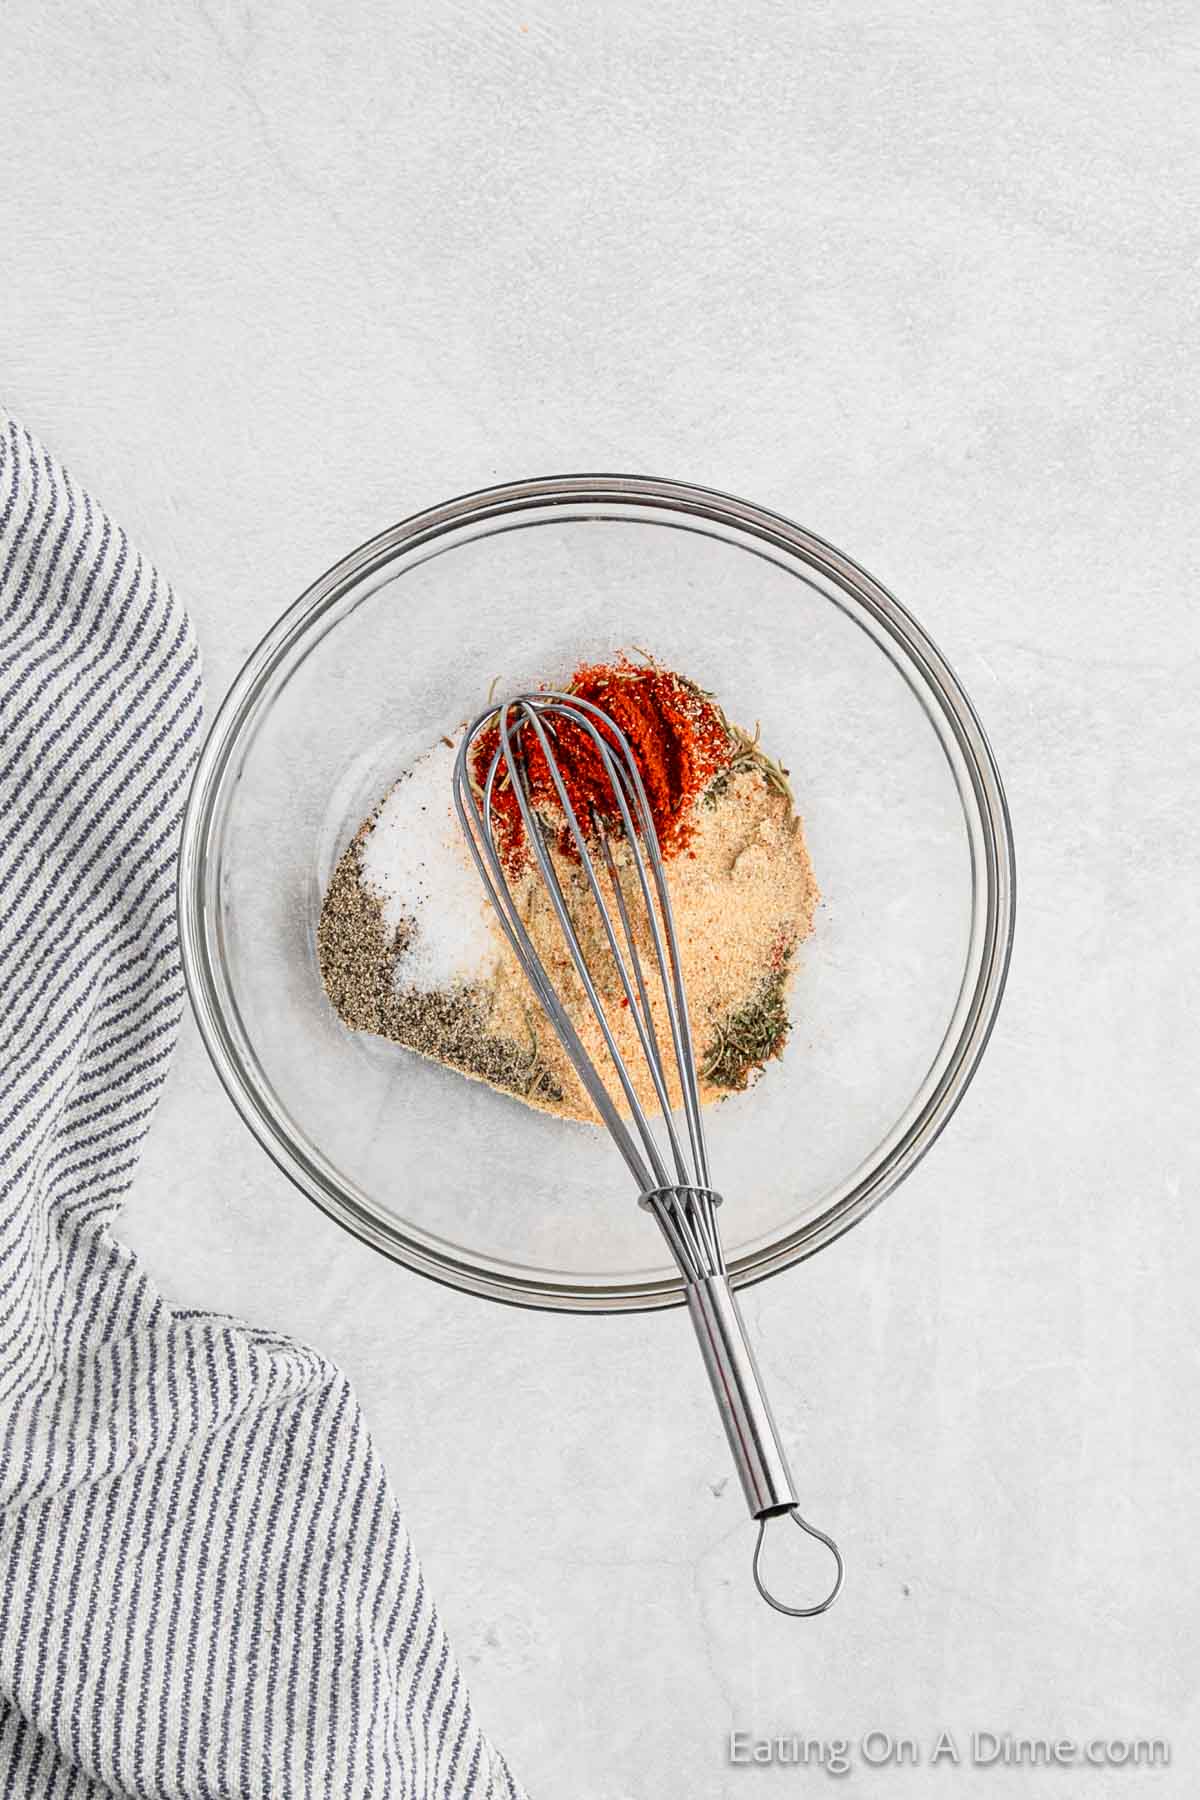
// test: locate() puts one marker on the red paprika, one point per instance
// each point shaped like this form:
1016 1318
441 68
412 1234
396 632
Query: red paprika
676 733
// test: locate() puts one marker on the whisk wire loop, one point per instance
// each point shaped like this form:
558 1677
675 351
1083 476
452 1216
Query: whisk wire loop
629 789
667 958
558 899
571 935
471 814
537 714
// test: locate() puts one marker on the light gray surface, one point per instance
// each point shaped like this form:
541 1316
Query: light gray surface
919 277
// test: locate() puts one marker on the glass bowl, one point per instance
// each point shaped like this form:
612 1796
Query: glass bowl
896 991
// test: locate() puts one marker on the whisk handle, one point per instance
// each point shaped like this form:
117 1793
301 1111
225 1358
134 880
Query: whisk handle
746 1415
737 1385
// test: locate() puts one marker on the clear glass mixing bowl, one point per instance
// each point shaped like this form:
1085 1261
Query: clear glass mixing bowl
896 991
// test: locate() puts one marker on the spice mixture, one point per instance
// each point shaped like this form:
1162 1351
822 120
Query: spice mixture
408 947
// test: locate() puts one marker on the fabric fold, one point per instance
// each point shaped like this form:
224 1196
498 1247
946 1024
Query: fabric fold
206 1588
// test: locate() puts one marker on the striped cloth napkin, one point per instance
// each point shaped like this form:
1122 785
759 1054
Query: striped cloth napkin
205 1586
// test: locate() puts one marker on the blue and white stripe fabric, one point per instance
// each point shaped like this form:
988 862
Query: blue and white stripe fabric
205 1587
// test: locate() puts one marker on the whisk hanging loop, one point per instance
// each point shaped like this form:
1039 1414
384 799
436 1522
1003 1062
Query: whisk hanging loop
797 1612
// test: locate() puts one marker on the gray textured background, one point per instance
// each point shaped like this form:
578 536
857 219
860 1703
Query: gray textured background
924 277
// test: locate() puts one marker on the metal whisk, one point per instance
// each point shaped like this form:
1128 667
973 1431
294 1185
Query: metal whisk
670 1166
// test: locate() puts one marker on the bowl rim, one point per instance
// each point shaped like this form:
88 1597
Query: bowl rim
882 1173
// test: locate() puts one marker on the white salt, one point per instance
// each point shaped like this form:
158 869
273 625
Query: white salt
414 859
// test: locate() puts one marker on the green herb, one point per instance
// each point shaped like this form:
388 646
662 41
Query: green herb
747 1038
748 754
